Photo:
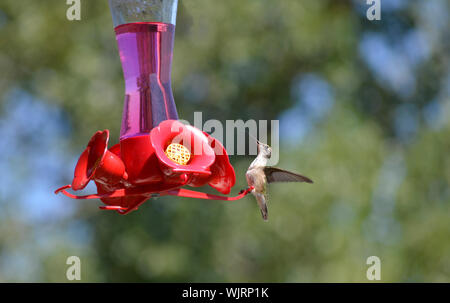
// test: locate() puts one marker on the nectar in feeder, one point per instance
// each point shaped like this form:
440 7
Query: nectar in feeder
145 50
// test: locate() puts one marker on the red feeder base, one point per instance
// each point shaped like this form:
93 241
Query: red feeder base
138 168
181 192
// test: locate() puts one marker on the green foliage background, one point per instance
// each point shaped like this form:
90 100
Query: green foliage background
375 193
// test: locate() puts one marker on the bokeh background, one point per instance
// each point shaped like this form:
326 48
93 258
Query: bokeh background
363 107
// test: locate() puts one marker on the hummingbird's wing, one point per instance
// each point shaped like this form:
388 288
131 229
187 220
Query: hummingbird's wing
274 174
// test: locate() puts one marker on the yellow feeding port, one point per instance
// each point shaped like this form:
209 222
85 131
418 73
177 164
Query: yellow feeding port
178 153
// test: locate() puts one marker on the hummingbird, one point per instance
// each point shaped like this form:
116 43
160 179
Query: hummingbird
259 174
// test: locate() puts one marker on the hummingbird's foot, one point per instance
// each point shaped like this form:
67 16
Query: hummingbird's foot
247 190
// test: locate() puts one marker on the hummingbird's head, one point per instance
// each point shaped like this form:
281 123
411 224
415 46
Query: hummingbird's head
265 150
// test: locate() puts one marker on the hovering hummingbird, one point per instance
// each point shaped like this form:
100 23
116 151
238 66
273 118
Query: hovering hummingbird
258 174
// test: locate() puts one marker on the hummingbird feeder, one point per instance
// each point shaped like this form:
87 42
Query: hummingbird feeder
157 154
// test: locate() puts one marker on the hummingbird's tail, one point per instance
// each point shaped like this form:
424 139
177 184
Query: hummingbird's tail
261 198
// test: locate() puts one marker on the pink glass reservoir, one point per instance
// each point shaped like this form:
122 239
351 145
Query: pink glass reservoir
146 50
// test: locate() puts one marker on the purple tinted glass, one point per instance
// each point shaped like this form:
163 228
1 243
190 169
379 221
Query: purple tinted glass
145 49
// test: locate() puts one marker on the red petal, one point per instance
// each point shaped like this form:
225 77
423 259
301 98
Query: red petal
173 131
90 159
223 176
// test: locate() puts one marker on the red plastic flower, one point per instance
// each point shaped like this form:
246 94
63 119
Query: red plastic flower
171 156
96 162
208 163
